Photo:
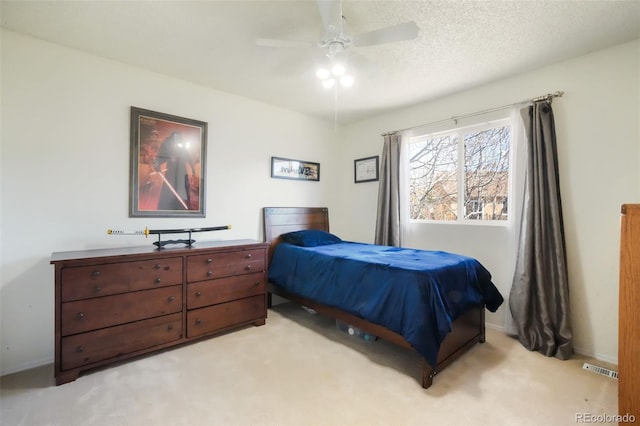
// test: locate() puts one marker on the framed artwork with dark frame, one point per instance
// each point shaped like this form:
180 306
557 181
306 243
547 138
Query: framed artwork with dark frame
167 173
366 169
286 168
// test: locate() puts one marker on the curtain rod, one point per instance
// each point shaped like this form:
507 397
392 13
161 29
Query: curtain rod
455 118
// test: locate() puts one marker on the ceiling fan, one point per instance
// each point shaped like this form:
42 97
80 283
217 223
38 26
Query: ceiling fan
337 42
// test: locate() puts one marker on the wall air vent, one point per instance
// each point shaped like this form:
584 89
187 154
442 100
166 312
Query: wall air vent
600 370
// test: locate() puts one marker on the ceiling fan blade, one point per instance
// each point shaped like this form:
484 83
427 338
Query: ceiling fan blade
272 42
399 32
331 14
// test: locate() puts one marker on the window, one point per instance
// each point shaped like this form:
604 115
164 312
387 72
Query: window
461 175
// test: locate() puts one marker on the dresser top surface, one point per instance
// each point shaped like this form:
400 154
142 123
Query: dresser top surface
177 250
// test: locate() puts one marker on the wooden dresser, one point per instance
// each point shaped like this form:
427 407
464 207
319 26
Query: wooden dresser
629 313
113 304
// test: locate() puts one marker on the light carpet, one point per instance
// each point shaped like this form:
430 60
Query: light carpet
299 369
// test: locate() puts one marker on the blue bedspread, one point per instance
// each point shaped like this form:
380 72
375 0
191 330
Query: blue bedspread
415 293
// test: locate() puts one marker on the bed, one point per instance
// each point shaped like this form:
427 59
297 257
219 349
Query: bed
431 302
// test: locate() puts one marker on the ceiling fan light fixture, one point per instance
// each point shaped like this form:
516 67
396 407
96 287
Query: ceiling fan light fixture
323 73
328 83
347 80
336 74
338 70
333 68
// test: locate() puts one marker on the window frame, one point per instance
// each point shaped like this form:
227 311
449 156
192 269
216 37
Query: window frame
502 120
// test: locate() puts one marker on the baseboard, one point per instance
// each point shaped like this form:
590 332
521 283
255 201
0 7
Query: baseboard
494 327
27 366
580 351
600 357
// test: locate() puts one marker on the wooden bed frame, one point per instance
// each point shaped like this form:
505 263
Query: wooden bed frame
467 330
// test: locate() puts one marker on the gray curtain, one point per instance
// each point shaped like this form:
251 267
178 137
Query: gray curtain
388 218
539 298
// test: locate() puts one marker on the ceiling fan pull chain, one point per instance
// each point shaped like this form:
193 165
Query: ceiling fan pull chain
335 108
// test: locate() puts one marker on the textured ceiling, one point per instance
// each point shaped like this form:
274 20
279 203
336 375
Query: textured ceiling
461 44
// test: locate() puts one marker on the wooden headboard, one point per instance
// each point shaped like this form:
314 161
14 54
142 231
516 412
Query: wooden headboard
280 220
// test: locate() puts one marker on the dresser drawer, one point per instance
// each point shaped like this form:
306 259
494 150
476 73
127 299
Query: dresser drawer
210 292
84 315
94 281
220 265
111 342
216 317
156 273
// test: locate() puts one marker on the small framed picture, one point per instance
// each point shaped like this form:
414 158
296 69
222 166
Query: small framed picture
286 168
366 169
167 173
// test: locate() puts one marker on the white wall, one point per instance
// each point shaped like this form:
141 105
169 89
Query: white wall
65 164
65 170
599 150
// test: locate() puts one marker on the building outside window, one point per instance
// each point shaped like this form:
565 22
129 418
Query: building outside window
461 175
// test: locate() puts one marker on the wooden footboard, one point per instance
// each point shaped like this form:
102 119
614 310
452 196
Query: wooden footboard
466 331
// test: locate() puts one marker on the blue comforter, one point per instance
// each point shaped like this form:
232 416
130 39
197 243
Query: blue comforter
415 293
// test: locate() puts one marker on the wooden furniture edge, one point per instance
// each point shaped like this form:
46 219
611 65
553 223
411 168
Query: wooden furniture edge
628 316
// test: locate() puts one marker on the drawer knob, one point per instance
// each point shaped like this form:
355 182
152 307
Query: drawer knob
171 298
80 349
209 273
170 327
249 256
198 321
157 266
256 284
95 273
80 315
209 261
97 289
248 267
157 281
198 293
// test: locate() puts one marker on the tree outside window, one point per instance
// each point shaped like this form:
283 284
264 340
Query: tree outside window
461 175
